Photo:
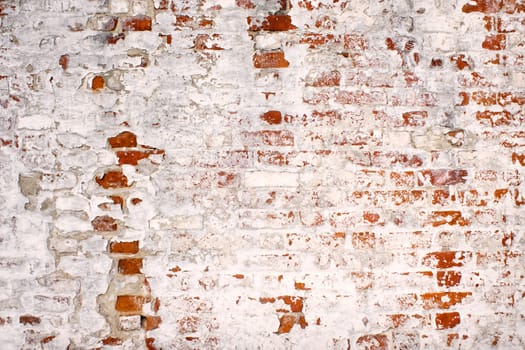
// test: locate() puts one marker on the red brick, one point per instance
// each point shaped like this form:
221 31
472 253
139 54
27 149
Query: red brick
448 217
373 342
271 23
355 42
518 158
448 278
129 303
98 82
485 6
124 139
104 223
270 59
130 266
495 42
272 117
150 322
444 260
286 323
113 179
443 300
136 23
112 341
29 319
124 247
415 118
444 177
133 157
447 320
245 4
63 61
201 42
315 39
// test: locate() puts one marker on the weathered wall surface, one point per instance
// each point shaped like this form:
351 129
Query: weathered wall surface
221 174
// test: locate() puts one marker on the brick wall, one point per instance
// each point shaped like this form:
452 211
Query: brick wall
249 174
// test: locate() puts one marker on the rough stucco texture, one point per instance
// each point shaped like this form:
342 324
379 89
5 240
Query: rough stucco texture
221 174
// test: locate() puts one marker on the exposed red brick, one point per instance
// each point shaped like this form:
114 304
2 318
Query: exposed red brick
118 200
104 223
201 42
150 322
111 341
124 139
462 61
133 157
355 42
130 266
485 6
447 320
444 260
448 217
129 303
113 39
295 303
150 344
373 342
98 82
47 339
448 278
286 323
518 158
272 117
444 177
63 61
113 179
271 23
270 59
494 118
136 23
495 42
415 118
436 62
300 286
29 319
443 300
315 39
245 4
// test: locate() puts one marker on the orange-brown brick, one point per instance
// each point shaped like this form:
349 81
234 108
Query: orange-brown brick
374 341
447 320
443 260
129 303
104 223
136 23
98 82
270 59
124 247
271 23
113 179
130 266
448 278
29 319
124 139
443 300
272 117
150 322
